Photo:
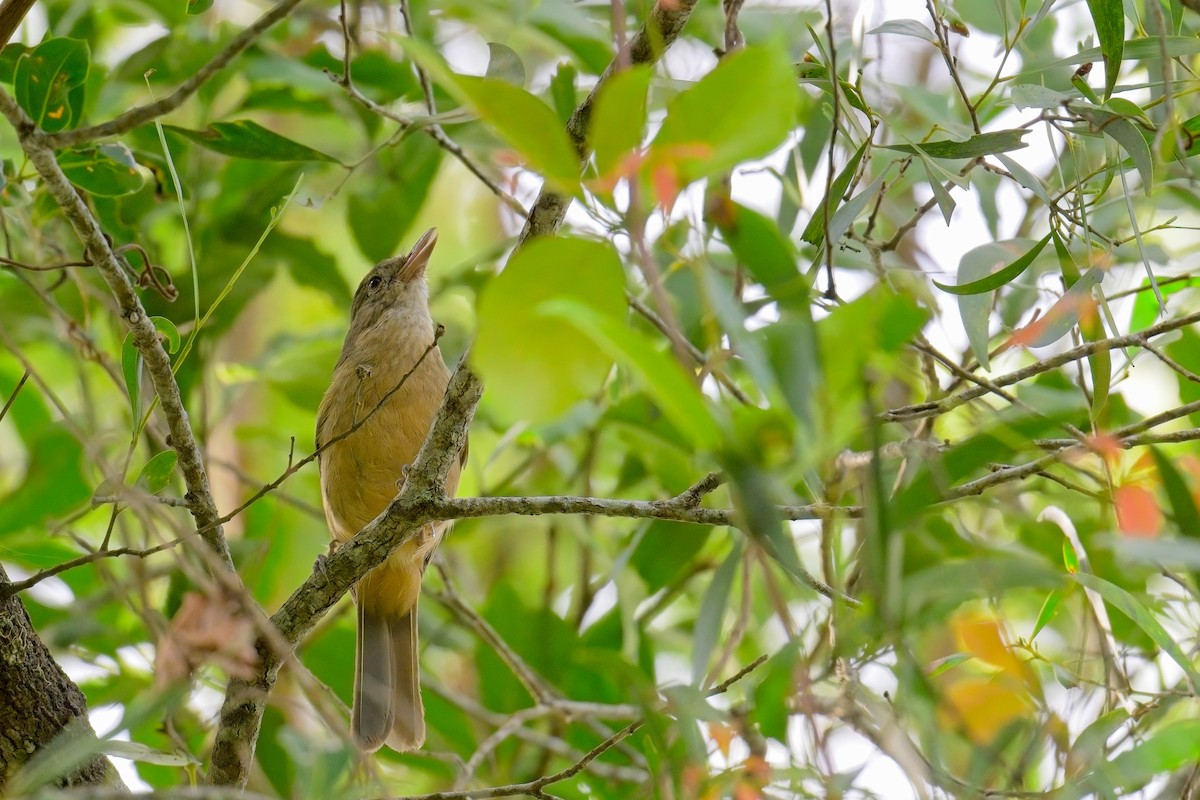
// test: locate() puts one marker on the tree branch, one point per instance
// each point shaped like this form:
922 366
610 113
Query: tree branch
143 114
423 493
245 699
534 787
145 334
950 402
659 32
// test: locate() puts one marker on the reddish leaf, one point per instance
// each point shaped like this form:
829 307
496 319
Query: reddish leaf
1138 513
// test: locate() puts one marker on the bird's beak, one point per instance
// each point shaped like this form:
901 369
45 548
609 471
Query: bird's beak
418 258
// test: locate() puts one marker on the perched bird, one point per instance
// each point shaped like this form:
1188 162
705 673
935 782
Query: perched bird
390 330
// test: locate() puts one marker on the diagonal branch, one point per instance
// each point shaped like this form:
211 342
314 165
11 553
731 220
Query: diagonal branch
422 494
950 402
143 114
660 31
145 335
241 715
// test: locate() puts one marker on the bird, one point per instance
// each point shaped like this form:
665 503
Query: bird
391 334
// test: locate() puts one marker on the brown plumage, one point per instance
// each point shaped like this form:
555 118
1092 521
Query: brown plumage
390 327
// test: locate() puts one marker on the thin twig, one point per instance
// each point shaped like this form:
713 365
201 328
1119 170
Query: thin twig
950 402
694 352
13 395
143 114
7 590
535 787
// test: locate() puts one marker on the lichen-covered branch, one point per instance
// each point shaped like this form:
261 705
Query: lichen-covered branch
145 335
241 714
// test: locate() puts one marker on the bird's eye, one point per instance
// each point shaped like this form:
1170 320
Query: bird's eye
375 282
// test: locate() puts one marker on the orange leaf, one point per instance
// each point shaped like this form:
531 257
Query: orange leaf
1067 306
982 707
1106 446
666 185
982 637
721 734
1137 512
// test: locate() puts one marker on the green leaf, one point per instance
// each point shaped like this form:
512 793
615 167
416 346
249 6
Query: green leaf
9 56
983 144
156 473
105 171
818 75
1092 742
712 612
814 231
527 124
619 118
772 693
131 368
674 392
1034 95
537 364
1109 19
1070 557
1186 351
1049 606
1001 277
562 91
247 139
905 27
1128 605
311 266
1140 49
768 255
195 7
1145 307
976 309
504 64
700 143
941 194
1026 178
380 213
1124 133
52 485
167 329
852 209
665 548
49 82
1170 748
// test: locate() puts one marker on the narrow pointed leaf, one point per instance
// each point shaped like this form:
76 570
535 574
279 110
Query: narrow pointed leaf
1001 277
1129 605
983 144
814 231
712 612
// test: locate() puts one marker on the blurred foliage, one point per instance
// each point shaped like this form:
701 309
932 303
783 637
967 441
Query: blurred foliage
851 294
